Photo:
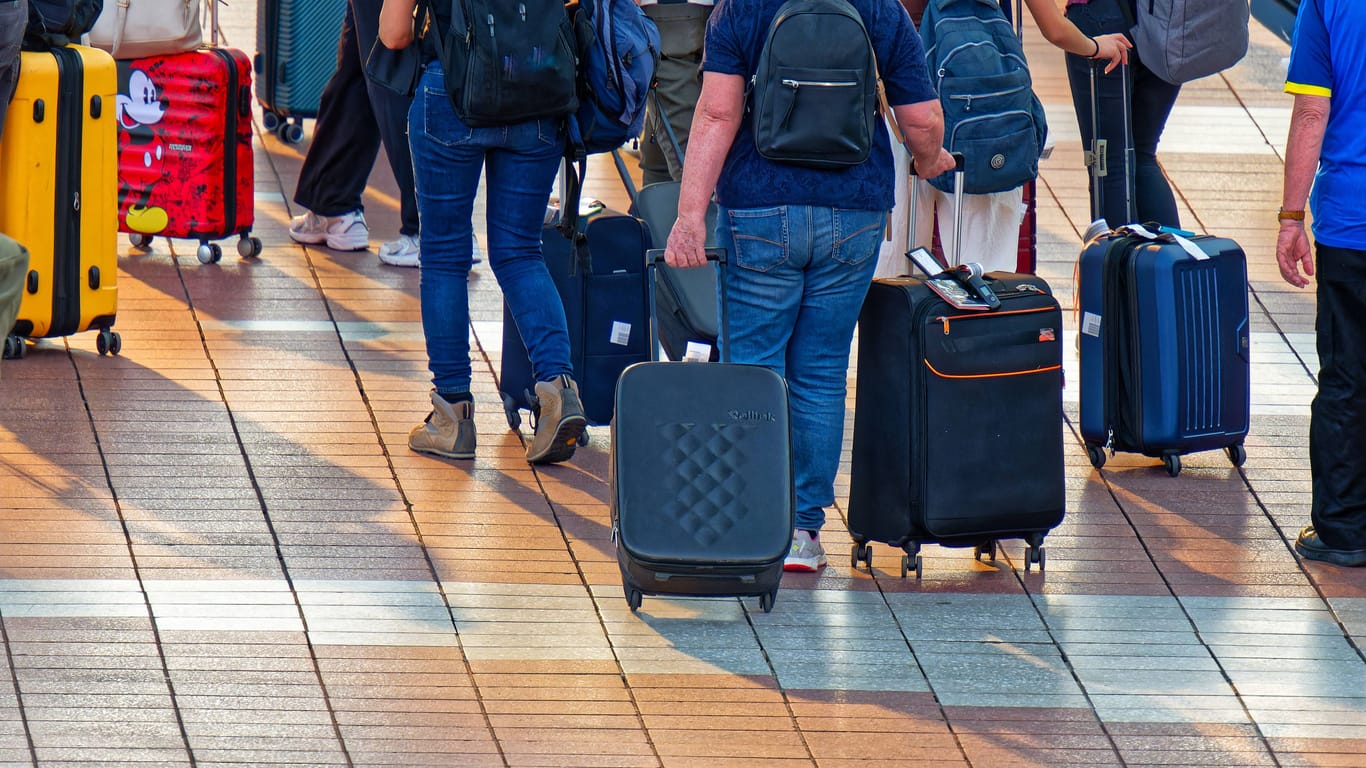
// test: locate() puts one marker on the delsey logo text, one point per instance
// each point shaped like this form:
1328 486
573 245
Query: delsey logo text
751 416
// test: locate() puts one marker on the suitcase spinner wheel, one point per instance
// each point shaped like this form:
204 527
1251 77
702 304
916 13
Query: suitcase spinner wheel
108 342
15 347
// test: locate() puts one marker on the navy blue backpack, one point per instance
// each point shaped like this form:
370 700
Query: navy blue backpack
618 50
991 114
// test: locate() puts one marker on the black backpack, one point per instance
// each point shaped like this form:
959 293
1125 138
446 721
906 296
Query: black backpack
814 94
508 61
53 23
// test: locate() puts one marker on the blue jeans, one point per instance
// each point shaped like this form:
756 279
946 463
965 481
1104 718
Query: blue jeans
794 288
1153 99
519 163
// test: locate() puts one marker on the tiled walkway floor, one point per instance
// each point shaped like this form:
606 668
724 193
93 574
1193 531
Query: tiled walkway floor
216 549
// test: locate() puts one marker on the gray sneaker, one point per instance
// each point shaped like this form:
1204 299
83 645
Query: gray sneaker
448 430
807 554
559 421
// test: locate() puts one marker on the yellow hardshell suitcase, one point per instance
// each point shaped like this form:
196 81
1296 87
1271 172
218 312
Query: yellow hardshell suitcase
59 194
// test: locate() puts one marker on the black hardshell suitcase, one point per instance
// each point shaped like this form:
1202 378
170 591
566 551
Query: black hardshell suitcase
601 282
957 420
703 499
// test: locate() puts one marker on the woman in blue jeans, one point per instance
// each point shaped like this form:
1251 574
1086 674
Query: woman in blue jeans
803 242
1152 102
518 162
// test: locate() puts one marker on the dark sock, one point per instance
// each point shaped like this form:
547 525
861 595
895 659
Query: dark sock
814 534
457 397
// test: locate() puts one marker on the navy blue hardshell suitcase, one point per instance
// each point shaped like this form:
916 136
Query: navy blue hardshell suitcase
297 55
602 287
1164 347
701 479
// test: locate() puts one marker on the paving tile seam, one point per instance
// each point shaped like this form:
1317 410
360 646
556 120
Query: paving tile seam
358 383
264 507
167 682
1138 534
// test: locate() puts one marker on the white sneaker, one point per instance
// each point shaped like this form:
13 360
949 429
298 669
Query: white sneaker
806 555
403 252
347 232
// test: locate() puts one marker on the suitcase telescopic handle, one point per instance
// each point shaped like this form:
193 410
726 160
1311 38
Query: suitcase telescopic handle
654 258
959 171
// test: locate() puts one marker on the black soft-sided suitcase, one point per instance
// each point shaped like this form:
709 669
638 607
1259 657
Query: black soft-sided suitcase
602 287
957 419
701 480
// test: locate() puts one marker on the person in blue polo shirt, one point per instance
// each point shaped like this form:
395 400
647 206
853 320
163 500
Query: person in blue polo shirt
1326 150
811 236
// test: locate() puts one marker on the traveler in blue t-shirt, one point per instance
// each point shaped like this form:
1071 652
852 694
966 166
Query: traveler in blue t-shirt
802 242
1325 150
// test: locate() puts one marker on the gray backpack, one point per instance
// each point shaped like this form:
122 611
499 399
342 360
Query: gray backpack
1184 40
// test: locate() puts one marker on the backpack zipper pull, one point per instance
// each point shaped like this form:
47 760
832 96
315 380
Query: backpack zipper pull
521 10
490 19
1109 440
945 320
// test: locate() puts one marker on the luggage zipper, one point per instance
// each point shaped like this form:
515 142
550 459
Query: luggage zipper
953 135
946 319
1135 350
795 84
66 252
230 146
967 98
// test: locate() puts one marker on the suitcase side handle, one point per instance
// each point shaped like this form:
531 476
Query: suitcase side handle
654 258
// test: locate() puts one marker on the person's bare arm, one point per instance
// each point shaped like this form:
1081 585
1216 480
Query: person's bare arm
714 125
1064 34
396 23
1308 120
922 123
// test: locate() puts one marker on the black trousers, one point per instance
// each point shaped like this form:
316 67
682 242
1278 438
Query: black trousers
354 117
1337 422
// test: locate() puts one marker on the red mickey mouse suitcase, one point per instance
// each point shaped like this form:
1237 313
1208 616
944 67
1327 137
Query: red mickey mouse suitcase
185 155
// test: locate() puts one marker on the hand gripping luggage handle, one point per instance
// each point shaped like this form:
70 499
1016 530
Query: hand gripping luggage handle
959 171
655 257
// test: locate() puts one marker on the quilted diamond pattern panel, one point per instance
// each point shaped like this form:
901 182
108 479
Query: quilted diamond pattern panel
707 482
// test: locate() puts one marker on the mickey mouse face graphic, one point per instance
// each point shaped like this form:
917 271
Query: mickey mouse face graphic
141 152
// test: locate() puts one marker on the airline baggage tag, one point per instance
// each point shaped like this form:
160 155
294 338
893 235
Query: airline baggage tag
1171 235
1090 324
1189 247
621 333
697 352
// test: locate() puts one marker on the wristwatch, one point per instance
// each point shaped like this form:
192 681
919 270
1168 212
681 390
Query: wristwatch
1285 215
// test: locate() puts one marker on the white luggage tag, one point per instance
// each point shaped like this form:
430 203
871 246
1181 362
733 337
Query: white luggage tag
1165 236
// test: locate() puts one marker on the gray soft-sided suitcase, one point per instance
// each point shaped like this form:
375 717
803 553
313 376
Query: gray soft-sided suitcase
701 479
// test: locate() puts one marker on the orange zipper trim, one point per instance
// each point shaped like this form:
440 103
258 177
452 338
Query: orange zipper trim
945 319
936 372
